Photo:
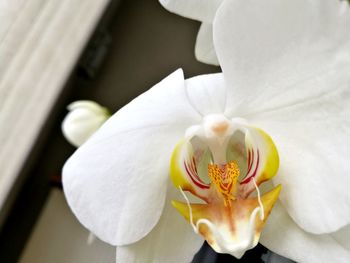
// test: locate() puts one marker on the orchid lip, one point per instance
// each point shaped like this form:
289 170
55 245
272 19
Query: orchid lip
223 162
227 246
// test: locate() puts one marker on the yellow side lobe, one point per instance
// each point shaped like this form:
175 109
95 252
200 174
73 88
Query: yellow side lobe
176 172
271 166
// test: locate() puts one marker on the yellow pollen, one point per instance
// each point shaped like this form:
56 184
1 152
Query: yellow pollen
225 179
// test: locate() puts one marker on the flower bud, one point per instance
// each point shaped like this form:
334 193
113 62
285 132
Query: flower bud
84 118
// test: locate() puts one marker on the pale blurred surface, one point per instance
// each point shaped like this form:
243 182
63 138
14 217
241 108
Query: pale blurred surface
40 43
58 237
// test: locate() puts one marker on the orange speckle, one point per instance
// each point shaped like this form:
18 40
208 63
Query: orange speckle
225 179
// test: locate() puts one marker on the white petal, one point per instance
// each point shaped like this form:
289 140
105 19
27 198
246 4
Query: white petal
116 182
292 80
207 93
266 48
172 240
284 237
202 10
312 138
205 50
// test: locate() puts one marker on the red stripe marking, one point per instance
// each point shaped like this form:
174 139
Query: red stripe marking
247 180
195 178
250 160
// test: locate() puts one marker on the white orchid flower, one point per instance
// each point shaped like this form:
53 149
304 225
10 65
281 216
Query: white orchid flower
285 70
203 11
84 118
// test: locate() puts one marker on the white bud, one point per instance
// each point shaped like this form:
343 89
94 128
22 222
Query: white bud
84 118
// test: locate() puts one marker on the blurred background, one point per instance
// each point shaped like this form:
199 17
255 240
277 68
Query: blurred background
52 53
